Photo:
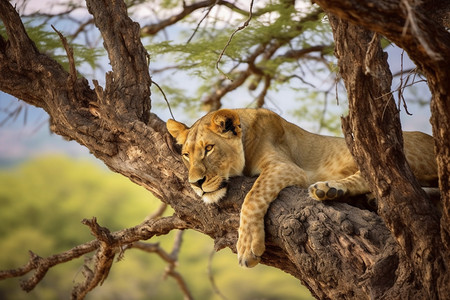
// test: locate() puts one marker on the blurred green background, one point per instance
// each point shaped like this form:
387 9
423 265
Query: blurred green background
43 200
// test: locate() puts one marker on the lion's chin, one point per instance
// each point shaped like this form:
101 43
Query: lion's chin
214 197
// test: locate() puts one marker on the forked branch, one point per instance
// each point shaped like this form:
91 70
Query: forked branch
106 244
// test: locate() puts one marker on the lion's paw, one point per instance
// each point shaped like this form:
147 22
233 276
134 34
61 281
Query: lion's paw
250 246
326 190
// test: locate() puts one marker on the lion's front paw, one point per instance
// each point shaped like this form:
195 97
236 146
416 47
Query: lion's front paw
327 190
250 245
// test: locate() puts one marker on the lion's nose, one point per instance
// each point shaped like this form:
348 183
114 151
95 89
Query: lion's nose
199 183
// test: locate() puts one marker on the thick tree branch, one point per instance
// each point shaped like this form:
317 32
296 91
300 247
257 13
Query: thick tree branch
19 55
129 59
18 38
299 53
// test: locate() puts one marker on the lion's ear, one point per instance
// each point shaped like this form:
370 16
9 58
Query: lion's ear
178 130
226 123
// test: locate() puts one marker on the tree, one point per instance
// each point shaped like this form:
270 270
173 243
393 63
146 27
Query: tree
335 249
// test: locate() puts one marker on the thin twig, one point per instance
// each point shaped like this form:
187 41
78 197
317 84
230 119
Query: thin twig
201 21
165 98
82 28
12 114
211 276
170 270
336 82
171 259
324 110
231 37
400 93
177 245
158 213
401 98
299 78
261 97
406 85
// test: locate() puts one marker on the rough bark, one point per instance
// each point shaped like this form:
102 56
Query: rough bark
373 124
336 250
376 141
409 25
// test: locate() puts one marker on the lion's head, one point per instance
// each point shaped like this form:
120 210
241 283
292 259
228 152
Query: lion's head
212 151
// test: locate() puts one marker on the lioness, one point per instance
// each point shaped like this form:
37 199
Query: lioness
252 142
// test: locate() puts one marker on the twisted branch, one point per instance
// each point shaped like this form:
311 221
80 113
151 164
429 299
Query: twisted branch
107 245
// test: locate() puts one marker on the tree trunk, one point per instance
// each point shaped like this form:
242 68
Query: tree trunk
424 239
418 28
336 250
373 133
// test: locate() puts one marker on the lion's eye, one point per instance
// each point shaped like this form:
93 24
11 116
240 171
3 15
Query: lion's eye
186 156
208 148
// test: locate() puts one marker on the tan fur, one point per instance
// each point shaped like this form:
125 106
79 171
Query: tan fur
251 142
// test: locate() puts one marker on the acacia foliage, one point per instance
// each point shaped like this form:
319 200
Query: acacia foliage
279 49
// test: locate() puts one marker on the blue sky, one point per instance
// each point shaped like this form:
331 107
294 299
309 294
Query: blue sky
29 136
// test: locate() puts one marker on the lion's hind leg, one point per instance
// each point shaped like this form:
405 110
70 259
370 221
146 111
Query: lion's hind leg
334 189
